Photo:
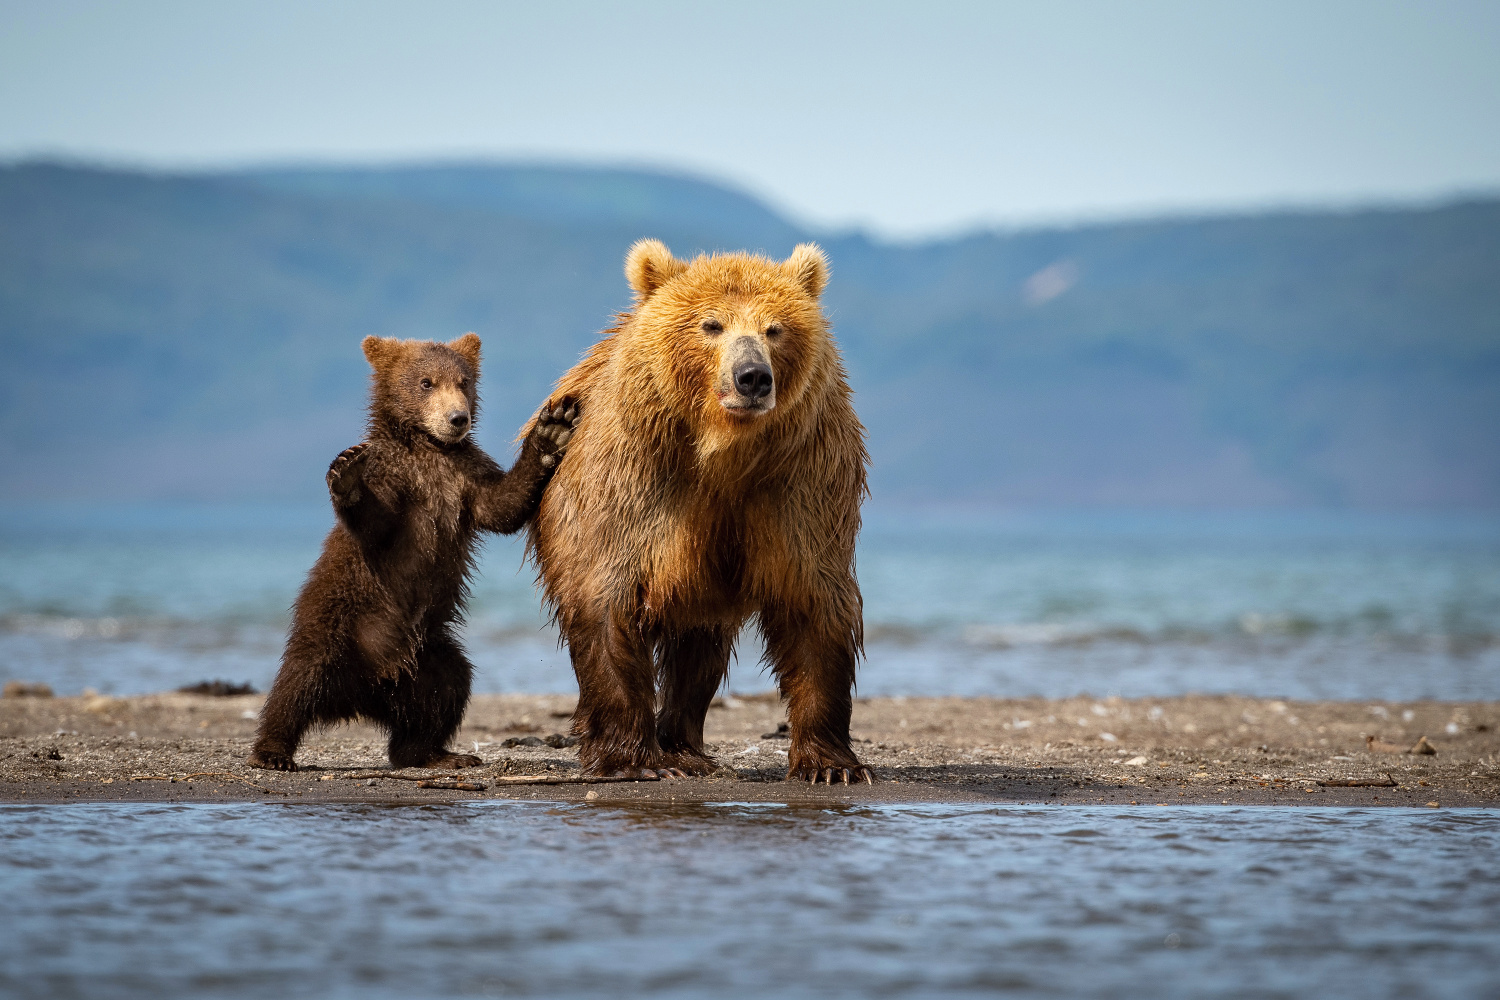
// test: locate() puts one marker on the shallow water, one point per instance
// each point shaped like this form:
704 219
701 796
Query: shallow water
533 899
129 600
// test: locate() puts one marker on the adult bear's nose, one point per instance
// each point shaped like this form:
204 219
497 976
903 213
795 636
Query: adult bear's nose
753 379
459 419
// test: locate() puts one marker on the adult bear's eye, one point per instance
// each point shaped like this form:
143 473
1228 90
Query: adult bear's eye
773 330
427 383
712 326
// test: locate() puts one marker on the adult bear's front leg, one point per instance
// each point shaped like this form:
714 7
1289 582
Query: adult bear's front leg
813 659
616 720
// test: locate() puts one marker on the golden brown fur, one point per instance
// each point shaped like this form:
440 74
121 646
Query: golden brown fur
687 507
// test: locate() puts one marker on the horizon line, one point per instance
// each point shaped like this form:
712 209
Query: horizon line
1083 218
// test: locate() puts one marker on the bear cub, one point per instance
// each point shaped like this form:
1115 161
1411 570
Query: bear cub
372 633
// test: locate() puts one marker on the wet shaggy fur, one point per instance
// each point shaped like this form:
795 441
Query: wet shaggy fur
372 630
716 477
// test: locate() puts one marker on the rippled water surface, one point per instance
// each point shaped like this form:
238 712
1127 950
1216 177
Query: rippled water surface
530 899
1309 606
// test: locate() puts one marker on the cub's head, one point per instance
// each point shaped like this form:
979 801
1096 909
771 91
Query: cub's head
426 386
732 339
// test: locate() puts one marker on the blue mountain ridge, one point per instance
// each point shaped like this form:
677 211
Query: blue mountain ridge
195 336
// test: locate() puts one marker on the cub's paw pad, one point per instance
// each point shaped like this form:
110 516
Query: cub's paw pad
554 428
343 473
271 761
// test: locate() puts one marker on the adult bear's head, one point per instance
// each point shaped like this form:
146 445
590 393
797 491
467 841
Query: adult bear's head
424 386
730 341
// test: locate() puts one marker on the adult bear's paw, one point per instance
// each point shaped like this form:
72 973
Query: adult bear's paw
812 766
639 765
688 763
554 428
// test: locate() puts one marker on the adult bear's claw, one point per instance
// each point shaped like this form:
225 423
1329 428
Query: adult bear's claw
827 775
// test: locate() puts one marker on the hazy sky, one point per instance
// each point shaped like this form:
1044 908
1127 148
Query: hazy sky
904 118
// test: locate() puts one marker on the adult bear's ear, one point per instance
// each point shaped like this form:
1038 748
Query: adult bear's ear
649 265
467 347
809 268
382 352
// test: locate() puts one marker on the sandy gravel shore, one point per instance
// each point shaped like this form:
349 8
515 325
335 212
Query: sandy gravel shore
1158 751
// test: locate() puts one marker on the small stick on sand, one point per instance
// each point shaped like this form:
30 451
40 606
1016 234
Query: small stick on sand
362 775
1386 782
462 786
508 779
571 779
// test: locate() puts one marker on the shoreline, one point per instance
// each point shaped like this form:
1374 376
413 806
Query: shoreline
1190 750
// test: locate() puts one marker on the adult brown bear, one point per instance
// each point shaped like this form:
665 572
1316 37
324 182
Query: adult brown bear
716 475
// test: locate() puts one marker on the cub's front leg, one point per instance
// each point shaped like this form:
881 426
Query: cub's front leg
359 498
346 474
505 501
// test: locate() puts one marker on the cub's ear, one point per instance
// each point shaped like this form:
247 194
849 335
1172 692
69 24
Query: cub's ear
382 352
809 268
649 265
467 348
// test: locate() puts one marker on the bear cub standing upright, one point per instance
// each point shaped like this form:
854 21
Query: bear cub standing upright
372 630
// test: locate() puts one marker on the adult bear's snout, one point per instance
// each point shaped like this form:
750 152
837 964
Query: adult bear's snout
753 379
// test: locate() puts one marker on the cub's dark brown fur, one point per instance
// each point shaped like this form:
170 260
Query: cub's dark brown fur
372 631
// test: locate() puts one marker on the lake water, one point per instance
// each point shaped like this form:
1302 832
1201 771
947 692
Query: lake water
500 899
136 599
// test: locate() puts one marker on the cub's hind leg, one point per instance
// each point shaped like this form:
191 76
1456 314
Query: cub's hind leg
424 709
307 692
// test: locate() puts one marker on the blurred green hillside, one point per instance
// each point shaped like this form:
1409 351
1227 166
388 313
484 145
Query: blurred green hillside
196 337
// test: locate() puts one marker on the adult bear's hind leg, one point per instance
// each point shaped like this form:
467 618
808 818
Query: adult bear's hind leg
692 665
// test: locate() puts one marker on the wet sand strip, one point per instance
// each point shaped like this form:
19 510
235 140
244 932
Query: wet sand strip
1147 752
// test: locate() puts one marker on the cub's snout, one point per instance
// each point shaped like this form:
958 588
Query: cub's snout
447 415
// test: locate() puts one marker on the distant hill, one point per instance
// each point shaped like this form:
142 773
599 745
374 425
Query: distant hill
180 337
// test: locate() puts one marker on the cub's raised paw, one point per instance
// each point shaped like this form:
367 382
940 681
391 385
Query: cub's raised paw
270 760
345 472
555 424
